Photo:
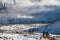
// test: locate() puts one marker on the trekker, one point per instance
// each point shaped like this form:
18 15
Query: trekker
44 34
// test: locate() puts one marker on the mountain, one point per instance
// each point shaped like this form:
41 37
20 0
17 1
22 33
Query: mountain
30 11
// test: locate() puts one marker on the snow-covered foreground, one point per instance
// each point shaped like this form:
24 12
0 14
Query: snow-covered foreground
20 36
35 36
9 35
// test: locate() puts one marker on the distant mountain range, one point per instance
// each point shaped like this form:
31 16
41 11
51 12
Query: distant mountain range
42 11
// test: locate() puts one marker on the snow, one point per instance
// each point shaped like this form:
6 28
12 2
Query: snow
35 36
24 16
21 26
23 35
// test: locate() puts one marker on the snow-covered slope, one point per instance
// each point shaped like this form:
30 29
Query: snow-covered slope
20 27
